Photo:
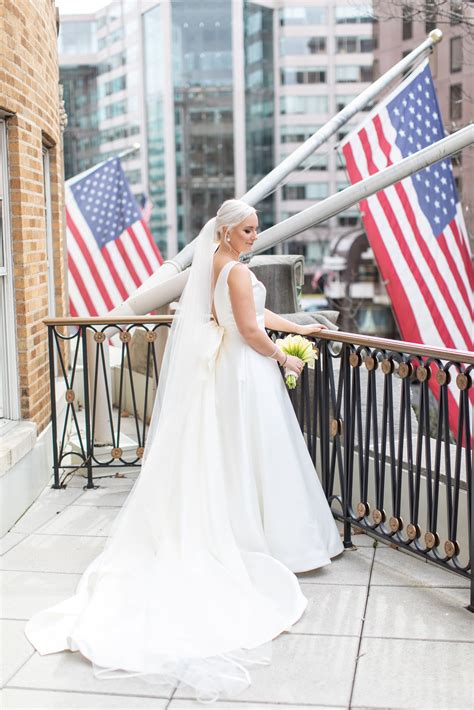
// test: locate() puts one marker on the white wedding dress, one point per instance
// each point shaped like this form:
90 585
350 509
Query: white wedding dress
197 574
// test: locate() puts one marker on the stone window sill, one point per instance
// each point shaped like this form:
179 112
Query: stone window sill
16 441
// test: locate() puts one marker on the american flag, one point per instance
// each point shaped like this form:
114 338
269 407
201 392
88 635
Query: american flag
111 251
416 227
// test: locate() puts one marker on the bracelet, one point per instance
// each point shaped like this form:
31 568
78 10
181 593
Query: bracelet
284 361
273 353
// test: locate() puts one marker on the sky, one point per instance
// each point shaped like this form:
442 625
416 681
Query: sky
77 7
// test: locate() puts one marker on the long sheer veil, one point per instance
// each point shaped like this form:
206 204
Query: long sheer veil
185 348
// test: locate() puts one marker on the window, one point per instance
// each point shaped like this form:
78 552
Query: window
295 75
347 219
352 15
303 104
430 15
305 15
343 100
296 134
455 9
116 109
407 22
455 101
9 400
310 191
455 54
351 45
114 85
302 45
317 191
353 74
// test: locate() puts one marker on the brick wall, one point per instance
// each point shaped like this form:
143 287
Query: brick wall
29 78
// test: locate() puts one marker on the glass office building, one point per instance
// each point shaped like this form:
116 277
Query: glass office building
219 92
202 92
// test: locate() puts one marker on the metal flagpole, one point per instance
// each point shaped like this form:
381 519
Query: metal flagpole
267 184
320 212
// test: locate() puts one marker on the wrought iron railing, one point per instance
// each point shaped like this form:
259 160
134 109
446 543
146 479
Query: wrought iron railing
395 461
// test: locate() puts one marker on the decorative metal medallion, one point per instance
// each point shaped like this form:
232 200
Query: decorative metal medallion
370 362
70 395
395 524
413 531
431 540
463 381
99 337
116 452
140 450
355 360
378 516
151 336
336 427
363 509
443 377
423 373
451 548
125 336
404 370
387 366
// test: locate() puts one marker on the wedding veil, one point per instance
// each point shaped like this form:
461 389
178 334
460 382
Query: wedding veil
188 340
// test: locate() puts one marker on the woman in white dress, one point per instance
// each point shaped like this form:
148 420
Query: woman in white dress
197 575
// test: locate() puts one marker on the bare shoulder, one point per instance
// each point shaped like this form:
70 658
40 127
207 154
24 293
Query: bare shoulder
239 276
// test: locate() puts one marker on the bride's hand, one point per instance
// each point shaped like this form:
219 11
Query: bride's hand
311 329
294 364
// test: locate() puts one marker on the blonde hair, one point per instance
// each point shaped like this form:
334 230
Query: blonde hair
230 214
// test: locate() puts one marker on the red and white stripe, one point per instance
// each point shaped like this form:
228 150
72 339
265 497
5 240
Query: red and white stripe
429 279
100 279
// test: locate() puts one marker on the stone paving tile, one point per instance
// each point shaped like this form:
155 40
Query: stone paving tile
49 699
69 671
78 480
398 568
304 670
351 567
9 540
45 508
394 673
53 553
240 705
25 593
105 496
332 609
419 613
81 520
16 648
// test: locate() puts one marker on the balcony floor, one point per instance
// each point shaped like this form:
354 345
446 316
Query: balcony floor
382 629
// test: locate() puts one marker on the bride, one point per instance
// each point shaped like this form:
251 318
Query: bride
197 575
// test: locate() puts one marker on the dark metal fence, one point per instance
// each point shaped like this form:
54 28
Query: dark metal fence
388 425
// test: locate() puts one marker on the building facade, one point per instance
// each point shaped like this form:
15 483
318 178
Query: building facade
227 89
32 259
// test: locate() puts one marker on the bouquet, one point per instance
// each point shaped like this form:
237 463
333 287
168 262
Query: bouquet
300 347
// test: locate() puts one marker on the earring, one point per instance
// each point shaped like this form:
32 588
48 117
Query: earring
227 238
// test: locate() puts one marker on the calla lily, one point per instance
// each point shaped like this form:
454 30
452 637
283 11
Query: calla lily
300 347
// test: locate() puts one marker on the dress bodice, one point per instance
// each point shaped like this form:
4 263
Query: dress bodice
222 303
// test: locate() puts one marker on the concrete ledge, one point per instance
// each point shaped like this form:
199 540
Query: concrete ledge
26 464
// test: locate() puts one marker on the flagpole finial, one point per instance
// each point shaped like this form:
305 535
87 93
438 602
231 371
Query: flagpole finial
436 35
